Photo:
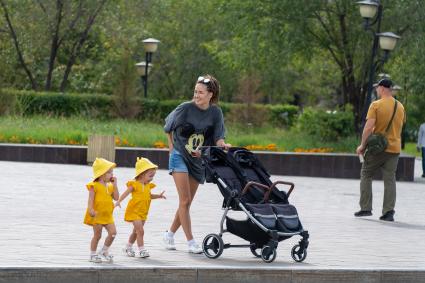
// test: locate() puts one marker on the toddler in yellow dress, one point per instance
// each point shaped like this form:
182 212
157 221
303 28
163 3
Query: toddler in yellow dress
100 207
138 207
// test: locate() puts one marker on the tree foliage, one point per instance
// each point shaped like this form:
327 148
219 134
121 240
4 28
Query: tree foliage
313 53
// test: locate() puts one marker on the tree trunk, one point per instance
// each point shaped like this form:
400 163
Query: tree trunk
77 46
54 45
17 46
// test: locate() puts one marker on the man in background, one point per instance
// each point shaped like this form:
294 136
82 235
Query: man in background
378 118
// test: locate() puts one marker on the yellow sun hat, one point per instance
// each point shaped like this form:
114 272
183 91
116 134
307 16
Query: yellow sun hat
101 166
143 164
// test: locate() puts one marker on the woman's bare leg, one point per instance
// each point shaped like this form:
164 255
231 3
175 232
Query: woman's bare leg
193 189
186 189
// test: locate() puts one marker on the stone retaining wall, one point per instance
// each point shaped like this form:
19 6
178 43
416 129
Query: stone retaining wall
206 275
330 165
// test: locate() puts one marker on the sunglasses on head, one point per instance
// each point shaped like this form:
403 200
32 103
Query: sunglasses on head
204 80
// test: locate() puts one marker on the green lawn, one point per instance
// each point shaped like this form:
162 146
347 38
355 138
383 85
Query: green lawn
410 148
49 130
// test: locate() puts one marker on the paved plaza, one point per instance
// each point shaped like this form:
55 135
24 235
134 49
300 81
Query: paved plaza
42 208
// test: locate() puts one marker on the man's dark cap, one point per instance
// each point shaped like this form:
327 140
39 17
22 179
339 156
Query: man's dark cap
384 82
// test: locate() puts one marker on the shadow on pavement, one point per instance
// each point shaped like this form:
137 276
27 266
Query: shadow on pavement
397 224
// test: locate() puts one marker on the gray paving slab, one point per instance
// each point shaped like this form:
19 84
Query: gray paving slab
42 208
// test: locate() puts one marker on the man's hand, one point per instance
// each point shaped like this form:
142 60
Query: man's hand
92 212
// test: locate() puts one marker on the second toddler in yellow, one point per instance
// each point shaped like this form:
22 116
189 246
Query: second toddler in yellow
138 207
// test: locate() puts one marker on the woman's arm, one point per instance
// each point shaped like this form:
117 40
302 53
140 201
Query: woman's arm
170 141
90 203
222 143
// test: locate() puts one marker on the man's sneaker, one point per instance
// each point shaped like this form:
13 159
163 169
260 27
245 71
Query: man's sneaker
195 249
362 213
106 256
129 251
388 216
168 242
143 253
95 259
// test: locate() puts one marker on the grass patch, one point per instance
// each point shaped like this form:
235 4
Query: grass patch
410 148
75 131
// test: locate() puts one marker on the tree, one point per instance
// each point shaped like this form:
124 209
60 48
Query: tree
64 24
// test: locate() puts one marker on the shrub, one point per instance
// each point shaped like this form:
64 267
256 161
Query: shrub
59 104
8 102
283 114
327 125
253 114
156 110
106 107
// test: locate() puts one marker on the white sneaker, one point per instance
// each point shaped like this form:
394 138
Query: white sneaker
106 256
168 242
144 253
195 249
95 259
129 251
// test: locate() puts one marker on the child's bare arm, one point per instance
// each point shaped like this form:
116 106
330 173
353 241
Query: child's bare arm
116 193
90 203
123 196
161 195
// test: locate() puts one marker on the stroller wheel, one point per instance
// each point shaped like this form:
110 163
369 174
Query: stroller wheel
268 254
253 249
213 246
297 254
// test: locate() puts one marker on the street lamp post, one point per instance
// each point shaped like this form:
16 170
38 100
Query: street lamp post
150 46
143 70
371 11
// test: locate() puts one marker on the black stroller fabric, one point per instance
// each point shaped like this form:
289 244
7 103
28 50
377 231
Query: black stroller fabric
280 217
246 186
238 167
264 214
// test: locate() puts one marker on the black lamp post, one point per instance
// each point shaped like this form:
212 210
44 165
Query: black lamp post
143 70
150 46
371 11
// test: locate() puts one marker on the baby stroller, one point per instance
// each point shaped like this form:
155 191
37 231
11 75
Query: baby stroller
245 186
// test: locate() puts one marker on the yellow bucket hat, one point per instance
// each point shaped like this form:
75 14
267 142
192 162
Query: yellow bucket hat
143 164
101 166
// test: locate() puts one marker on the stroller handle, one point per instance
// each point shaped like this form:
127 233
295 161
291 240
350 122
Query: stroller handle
252 183
267 195
209 146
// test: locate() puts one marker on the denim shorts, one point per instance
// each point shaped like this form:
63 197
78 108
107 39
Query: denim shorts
176 163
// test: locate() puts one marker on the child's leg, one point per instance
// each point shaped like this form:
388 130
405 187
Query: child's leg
138 227
112 232
132 237
97 234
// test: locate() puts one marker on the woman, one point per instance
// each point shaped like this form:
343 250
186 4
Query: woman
192 124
